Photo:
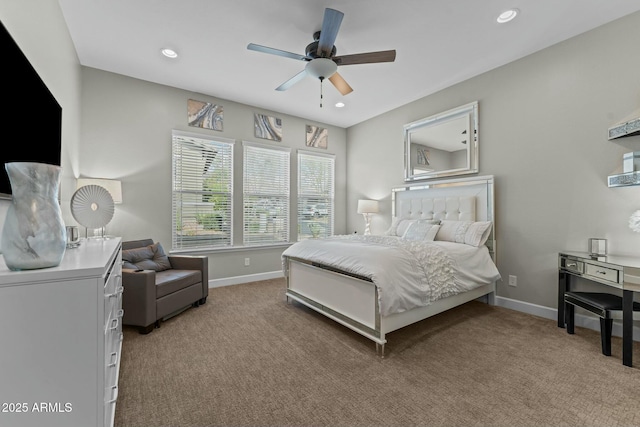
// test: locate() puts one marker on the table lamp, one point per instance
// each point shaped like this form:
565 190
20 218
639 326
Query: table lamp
366 208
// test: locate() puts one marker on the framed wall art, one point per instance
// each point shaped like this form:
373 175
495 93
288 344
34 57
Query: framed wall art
267 127
205 114
317 137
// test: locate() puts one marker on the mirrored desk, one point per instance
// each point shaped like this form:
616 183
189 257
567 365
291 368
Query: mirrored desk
616 271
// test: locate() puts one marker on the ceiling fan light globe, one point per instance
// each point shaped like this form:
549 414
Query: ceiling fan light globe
321 68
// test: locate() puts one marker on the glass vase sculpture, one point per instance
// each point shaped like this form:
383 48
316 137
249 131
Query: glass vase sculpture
33 235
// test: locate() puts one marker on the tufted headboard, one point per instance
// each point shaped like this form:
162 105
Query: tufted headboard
463 199
462 208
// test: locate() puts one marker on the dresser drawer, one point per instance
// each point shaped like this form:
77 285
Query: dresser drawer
572 265
112 303
601 273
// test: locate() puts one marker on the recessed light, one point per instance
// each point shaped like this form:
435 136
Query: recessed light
169 53
507 15
339 104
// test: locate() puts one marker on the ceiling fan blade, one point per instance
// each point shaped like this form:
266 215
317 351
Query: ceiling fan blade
330 26
366 58
340 84
272 51
293 80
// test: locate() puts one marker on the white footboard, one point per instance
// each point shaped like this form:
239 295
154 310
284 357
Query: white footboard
351 301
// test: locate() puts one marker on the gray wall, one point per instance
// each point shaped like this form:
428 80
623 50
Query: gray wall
543 135
126 135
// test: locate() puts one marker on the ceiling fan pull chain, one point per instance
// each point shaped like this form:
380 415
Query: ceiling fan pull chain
321 80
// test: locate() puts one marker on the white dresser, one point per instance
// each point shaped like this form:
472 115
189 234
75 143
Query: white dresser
60 339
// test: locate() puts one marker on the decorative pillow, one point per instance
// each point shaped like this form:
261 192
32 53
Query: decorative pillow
452 231
403 225
399 226
478 233
467 232
150 257
421 230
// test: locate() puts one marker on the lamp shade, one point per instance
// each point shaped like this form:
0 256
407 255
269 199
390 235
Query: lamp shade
113 186
367 206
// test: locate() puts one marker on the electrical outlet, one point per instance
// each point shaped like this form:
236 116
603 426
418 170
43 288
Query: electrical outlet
513 280
247 262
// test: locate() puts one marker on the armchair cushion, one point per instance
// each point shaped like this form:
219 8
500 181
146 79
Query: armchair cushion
170 281
151 257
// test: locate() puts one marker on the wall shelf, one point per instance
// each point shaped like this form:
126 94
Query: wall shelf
630 128
624 179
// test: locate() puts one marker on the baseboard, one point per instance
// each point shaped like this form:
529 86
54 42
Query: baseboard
236 280
589 322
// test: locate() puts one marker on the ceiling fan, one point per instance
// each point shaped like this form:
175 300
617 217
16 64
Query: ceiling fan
321 58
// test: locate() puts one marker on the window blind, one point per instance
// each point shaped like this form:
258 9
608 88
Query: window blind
266 194
316 178
202 195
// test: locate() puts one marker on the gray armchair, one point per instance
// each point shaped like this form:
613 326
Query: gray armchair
157 286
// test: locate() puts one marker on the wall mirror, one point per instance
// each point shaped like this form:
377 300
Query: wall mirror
445 144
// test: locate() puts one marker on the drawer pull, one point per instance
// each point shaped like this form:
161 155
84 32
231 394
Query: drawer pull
118 291
114 394
120 313
571 264
114 324
601 272
114 358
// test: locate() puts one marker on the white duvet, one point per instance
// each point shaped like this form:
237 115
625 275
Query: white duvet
408 274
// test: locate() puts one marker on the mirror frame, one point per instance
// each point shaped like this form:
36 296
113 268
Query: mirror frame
471 110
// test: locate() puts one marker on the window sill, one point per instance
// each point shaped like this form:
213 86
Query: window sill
231 248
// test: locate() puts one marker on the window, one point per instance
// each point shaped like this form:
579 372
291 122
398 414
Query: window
315 195
266 194
202 191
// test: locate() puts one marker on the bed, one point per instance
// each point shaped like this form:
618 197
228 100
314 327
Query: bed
438 253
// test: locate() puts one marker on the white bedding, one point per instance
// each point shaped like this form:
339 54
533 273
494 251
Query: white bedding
408 274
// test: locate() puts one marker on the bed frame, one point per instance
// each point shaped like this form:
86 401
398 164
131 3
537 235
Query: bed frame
353 301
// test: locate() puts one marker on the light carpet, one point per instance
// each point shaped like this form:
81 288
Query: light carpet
249 358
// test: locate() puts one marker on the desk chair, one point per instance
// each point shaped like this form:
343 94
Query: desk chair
600 304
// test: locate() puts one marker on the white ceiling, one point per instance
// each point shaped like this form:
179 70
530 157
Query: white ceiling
438 43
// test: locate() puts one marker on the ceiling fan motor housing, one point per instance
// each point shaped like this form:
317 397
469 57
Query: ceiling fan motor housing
312 48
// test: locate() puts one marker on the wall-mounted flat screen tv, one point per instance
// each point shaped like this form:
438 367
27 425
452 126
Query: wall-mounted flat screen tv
31 123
